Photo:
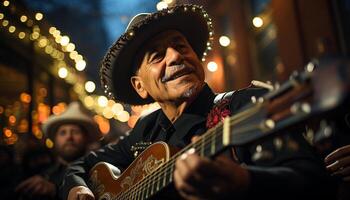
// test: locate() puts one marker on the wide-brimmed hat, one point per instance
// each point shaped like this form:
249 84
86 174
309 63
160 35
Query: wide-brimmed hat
74 114
118 64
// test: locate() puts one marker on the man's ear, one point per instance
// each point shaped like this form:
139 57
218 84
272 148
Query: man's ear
137 83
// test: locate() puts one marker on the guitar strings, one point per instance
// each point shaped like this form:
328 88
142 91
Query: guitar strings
205 139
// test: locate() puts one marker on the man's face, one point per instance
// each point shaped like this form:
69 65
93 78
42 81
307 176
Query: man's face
170 70
70 142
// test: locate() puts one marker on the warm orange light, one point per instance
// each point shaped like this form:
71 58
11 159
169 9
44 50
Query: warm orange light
37 133
12 119
1 109
23 126
103 124
49 143
25 98
43 111
8 132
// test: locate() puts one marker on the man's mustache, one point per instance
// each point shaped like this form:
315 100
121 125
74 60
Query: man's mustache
69 144
176 71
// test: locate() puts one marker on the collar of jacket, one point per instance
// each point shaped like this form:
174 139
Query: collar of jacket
193 115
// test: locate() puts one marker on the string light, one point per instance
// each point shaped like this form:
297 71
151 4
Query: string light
64 40
62 72
12 29
70 47
80 65
34 36
39 16
102 101
90 86
23 18
6 3
42 42
117 108
52 30
212 66
89 101
224 41
258 22
5 23
123 116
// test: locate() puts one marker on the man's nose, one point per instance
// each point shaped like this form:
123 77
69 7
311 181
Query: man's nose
70 135
173 57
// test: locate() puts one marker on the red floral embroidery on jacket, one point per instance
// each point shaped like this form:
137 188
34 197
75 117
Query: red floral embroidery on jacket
218 113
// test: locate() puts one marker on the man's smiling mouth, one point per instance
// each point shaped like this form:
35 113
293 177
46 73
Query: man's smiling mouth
177 71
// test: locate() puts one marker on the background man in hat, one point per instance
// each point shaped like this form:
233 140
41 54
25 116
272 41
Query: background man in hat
158 59
71 132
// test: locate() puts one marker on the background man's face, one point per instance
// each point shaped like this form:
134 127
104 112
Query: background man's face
170 70
70 142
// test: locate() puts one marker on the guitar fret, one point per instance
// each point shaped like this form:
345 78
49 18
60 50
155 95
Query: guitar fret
164 180
212 145
202 146
158 184
171 173
142 194
147 191
131 195
152 187
136 193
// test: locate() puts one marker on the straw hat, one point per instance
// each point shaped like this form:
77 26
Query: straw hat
74 114
118 64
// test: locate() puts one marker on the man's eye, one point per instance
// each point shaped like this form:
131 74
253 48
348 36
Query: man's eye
62 133
181 47
156 58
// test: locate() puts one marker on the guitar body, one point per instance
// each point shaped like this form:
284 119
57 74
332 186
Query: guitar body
105 184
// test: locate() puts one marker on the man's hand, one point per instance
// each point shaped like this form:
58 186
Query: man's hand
80 193
36 186
200 178
338 162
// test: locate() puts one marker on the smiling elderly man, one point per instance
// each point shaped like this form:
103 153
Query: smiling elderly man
157 59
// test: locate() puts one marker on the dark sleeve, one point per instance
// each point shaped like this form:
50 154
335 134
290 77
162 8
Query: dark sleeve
281 167
290 170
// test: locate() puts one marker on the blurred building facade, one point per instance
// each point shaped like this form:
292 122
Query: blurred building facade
269 39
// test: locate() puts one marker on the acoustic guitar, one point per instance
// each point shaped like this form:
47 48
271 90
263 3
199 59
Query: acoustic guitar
313 94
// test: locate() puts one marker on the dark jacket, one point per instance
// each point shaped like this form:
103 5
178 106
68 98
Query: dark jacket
291 171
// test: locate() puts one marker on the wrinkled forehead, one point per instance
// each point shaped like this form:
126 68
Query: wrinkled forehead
69 126
159 41
164 38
